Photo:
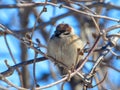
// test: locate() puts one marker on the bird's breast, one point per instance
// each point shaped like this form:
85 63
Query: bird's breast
64 50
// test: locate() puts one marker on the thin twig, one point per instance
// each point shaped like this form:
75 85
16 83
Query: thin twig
34 71
101 80
43 10
103 4
26 5
22 64
11 84
112 28
10 52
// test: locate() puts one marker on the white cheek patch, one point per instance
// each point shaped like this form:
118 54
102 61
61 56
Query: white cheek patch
66 33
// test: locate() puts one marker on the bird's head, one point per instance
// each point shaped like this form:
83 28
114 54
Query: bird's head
63 30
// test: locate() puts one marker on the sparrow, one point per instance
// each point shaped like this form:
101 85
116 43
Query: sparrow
66 48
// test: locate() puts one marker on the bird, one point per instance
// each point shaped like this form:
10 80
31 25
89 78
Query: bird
66 48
